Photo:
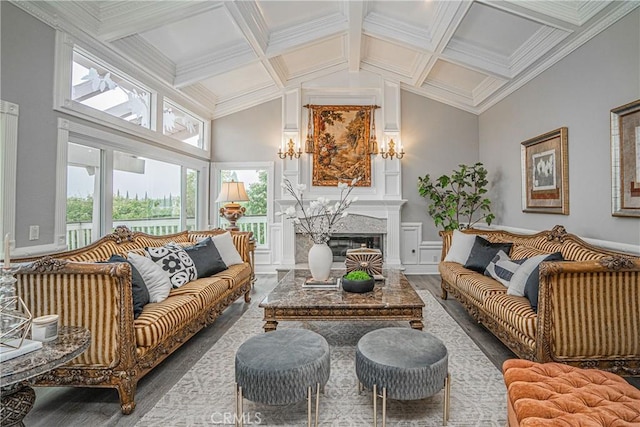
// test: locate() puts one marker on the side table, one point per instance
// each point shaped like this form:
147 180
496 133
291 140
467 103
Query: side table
17 396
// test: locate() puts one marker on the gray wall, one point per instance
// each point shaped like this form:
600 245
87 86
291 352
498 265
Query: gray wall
577 92
252 135
437 139
27 79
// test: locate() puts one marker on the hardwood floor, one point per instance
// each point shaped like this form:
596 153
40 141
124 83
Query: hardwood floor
67 406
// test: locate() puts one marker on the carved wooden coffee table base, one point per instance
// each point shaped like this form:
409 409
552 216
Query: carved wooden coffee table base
392 299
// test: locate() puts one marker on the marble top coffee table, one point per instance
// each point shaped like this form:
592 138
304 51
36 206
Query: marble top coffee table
392 299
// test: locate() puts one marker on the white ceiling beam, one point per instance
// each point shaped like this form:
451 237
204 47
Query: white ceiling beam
448 18
214 63
356 16
307 33
251 23
125 18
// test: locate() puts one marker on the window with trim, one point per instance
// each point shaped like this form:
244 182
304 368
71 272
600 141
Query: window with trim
94 84
182 125
107 187
257 178
104 89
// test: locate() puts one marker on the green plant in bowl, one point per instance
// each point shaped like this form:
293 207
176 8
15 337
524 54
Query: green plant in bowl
357 281
357 275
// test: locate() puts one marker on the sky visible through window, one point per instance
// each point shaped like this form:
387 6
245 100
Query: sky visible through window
156 182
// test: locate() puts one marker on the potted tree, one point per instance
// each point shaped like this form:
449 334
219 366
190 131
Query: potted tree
457 200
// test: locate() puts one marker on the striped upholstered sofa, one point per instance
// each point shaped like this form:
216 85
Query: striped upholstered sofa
588 305
85 292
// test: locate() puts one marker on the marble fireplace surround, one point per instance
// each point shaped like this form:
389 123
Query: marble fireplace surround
365 217
355 224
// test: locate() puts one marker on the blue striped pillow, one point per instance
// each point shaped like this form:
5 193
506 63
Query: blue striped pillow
502 267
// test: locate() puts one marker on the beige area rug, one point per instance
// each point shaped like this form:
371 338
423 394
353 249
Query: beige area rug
205 394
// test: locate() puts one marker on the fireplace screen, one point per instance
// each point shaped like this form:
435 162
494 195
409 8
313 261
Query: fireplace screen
340 243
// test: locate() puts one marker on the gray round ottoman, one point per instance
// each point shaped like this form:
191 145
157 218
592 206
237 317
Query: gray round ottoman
404 364
282 367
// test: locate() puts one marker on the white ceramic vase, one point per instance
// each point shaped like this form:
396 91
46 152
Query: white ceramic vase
320 260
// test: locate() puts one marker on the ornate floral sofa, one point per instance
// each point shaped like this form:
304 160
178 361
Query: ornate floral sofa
588 305
87 292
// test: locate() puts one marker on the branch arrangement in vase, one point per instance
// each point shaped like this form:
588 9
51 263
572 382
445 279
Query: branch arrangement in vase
318 220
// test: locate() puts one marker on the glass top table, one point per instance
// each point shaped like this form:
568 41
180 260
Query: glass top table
391 299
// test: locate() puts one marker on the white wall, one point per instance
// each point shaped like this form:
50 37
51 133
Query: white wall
577 92
437 139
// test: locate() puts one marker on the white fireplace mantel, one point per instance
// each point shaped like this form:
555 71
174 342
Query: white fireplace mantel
384 209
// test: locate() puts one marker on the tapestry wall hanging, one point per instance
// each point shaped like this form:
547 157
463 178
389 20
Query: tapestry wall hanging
625 158
342 143
545 173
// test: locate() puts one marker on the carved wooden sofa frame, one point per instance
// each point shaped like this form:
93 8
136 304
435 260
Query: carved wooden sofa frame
588 308
98 296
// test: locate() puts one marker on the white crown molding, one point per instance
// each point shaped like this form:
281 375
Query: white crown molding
214 63
203 96
541 42
247 100
329 68
470 55
125 18
621 10
390 29
249 19
448 17
486 88
461 103
575 13
307 33
148 56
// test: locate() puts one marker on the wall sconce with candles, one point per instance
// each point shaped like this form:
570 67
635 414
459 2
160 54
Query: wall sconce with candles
290 152
390 151
232 192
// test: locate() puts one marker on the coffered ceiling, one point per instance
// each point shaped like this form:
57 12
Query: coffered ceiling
231 55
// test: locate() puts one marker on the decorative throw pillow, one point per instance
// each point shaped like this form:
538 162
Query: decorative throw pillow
226 248
206 258
139 290
483 252
528 269
155 278
461 244
532 285
502 268
173 259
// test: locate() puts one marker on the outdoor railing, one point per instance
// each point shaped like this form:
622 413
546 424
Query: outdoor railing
80 234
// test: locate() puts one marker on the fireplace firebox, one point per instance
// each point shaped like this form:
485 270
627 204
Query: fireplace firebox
341 242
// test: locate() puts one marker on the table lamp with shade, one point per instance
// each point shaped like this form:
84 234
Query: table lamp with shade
232 192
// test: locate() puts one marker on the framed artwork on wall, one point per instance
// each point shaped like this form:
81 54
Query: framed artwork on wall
341 144
545 173
625 160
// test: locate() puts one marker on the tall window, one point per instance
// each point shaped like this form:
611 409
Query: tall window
105 90
108 187
83 195
146 194
256 181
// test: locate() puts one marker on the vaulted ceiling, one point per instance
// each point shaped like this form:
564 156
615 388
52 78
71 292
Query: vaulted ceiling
231 55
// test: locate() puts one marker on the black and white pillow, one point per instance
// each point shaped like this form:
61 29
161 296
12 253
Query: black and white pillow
173 259
502 268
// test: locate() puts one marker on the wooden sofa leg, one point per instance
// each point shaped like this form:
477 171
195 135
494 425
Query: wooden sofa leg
127 392
443 293
247 296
